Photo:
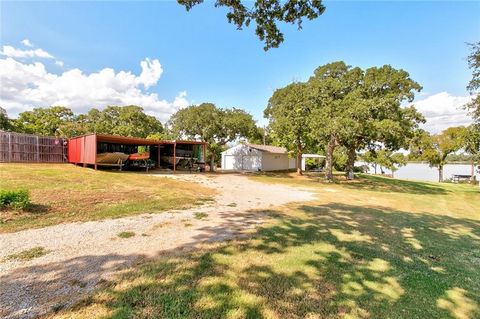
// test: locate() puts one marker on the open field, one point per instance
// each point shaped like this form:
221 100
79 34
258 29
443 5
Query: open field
372 248
65 193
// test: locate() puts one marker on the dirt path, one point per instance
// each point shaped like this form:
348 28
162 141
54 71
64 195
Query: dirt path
82 254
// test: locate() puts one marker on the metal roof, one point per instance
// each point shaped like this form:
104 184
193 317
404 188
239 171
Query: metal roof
117 139
268 148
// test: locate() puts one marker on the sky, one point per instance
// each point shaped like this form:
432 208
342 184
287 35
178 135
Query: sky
157 55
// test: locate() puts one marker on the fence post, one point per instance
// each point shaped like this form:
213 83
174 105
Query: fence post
38 151
9 147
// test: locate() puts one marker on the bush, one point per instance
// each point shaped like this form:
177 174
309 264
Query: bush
16 199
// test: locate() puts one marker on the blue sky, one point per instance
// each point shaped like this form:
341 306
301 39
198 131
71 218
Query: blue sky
202 54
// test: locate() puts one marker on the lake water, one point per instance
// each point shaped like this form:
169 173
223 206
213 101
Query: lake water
423 172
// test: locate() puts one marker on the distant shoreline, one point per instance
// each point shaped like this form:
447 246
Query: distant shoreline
450 163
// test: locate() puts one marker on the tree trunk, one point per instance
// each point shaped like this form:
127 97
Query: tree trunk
299 158
212 161
375 166
472 179
329 158
352 155
440 173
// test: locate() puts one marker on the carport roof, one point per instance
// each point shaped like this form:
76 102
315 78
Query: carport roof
117 139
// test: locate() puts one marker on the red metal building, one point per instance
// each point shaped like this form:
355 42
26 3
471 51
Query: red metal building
85 149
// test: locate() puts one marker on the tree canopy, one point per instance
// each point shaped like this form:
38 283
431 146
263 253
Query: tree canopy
266 15
213 125
474 84
289 111
472 140
128 120
5 123
117 120
436 148
43 121
356 109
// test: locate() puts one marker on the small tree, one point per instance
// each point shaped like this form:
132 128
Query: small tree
392 161
436 148
213 125
370 157
472 144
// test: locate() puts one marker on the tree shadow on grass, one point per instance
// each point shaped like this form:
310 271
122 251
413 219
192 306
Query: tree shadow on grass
361 182
324 261
389 185
314 261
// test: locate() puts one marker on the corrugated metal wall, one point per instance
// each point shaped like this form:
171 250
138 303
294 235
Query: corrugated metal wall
27 148
82 149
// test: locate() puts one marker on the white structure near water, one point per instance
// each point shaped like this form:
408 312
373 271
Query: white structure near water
251 157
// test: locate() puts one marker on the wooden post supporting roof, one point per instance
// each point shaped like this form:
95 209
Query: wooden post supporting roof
158 156
174 156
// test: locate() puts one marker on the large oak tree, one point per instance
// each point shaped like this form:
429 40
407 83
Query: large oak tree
357 109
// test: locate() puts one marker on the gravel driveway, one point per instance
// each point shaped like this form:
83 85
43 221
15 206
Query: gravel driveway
82 254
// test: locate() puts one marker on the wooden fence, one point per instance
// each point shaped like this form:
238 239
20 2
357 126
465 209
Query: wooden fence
26 148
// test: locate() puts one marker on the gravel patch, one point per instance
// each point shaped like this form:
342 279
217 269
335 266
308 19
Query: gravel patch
83 254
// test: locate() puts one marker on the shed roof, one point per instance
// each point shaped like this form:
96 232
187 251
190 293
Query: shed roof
269 148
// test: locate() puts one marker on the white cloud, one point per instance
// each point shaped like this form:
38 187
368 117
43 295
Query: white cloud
443 110
11 52
27 85
59 63
151 72
27 43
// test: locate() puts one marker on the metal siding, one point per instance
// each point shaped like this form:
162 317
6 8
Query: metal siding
82 149
274 162
90 149
241 162
74 150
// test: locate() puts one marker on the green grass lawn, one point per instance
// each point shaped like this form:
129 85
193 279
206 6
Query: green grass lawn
371 248
65 193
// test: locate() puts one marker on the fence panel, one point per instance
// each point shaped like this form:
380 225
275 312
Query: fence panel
27 148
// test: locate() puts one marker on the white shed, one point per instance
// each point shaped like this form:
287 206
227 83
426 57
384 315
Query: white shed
251 157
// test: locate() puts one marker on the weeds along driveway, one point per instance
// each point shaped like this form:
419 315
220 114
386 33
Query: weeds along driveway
80 255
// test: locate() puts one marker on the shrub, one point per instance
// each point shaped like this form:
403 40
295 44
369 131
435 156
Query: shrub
126 234
29 254
16 199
